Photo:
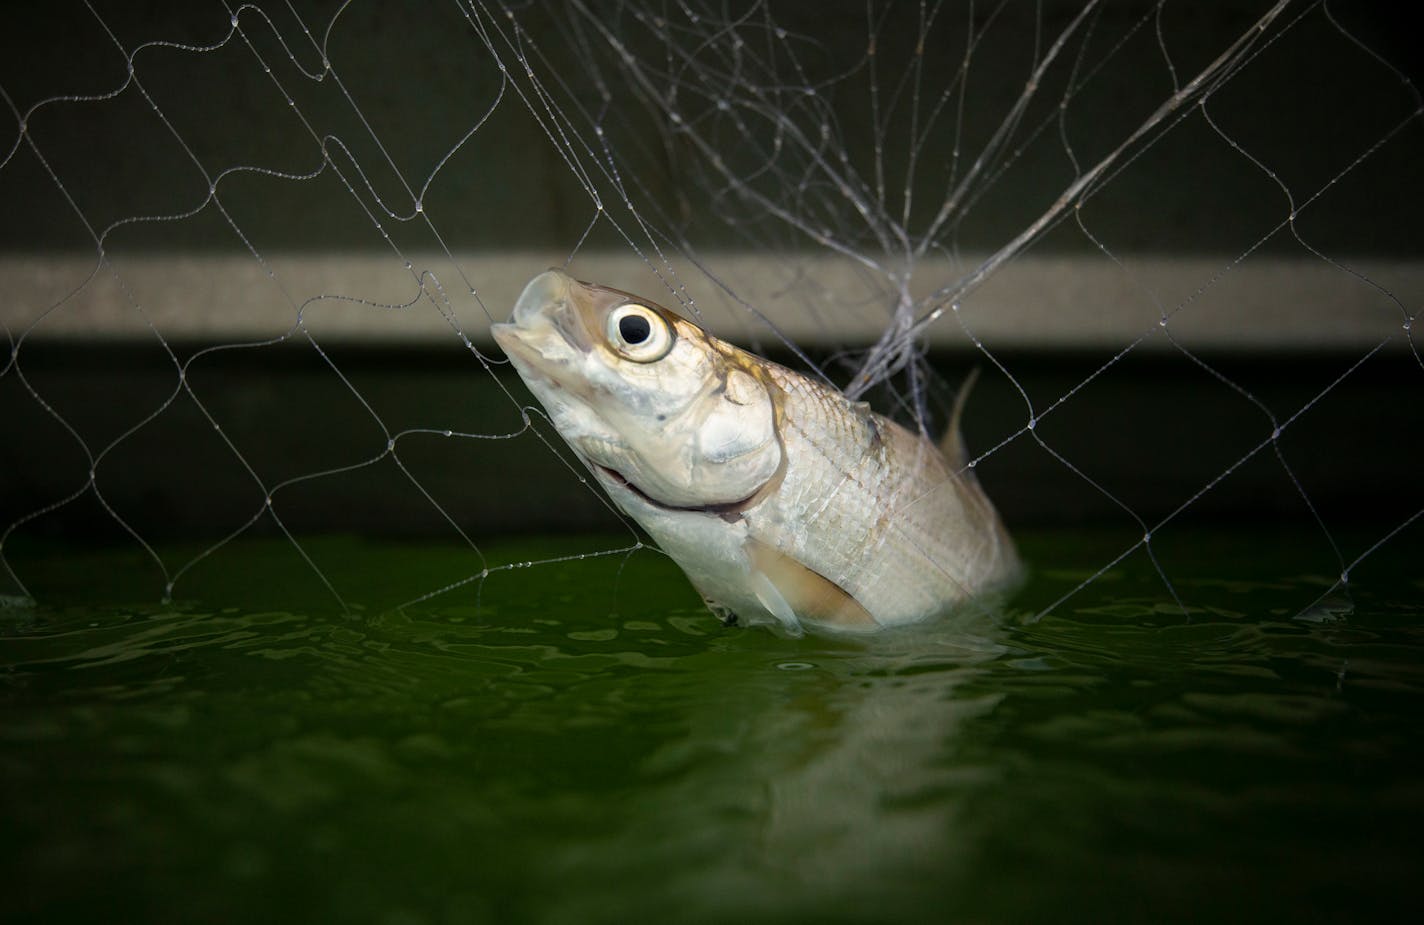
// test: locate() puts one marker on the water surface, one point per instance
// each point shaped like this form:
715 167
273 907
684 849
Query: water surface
582 742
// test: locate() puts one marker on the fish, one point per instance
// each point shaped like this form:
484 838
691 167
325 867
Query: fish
784 502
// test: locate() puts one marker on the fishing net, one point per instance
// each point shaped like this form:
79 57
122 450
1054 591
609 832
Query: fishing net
250 255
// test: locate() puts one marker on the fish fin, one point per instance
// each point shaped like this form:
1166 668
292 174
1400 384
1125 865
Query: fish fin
770 597
952 443
791 590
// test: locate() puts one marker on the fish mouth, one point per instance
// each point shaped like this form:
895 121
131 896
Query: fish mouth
544 332
548 288
522 346
730 511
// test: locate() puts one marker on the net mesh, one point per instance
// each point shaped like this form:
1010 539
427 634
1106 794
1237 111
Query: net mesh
229 194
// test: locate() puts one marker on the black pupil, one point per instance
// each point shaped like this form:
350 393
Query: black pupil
634 328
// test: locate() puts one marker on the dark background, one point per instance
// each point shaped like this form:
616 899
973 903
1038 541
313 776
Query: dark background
1157 432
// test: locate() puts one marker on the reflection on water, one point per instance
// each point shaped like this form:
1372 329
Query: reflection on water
822 783
536 756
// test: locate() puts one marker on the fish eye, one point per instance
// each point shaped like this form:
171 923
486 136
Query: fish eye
639 333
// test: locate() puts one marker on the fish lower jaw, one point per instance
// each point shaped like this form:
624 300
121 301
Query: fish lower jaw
542 359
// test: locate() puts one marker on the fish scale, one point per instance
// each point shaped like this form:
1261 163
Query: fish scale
865 503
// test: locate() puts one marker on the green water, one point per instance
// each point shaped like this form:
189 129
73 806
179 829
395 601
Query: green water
582 743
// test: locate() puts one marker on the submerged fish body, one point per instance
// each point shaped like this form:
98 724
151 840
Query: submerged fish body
783 501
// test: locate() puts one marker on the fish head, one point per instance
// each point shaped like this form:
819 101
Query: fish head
661 411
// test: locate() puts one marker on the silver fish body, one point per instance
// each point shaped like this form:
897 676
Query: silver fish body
783 501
